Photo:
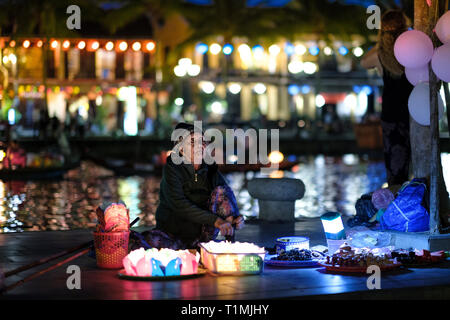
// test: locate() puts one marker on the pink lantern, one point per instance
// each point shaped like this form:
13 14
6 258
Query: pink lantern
189 262
132 259
441 62
419 104
443 28
152 262
416 75
413 49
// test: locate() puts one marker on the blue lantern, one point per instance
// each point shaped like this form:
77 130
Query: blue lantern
343 50
227 49
293 89
314 50
201 48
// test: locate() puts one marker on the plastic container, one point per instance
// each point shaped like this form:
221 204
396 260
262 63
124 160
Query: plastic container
334 245
232 263
290 243
111 248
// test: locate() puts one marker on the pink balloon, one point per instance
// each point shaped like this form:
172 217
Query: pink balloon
441 62
413 49
416 75
443 28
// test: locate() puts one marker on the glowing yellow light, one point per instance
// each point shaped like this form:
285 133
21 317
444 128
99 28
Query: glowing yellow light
150 46
54 44
81 45
274 49
2 155
276 157
277 174
26 43
215 48
109 46
136 46
39 43
12 44
123 46
66 44
95 45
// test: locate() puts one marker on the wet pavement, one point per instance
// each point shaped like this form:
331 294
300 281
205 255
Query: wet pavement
17 249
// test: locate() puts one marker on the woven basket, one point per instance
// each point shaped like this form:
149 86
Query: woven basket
111 248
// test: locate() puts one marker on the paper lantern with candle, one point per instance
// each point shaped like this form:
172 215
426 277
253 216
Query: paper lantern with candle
189 262
232 258
160 263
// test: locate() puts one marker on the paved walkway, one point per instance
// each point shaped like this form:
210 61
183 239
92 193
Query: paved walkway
22 248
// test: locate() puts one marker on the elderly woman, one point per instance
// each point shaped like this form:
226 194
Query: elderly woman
195 201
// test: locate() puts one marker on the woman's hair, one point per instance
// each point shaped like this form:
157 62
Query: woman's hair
393 24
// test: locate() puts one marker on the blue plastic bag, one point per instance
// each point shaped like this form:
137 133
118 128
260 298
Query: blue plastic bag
408 212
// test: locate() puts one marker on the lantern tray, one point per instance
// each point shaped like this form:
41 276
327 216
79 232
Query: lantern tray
232 263
123 275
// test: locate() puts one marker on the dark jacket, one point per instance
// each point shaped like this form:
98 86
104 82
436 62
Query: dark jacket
184 195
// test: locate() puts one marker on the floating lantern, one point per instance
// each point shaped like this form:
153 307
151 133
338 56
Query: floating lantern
290 243
333 226
160 263
232 258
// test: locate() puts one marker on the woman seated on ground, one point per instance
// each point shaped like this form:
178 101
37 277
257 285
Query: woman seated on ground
195 201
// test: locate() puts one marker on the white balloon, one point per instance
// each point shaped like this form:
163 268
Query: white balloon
416 75
419 104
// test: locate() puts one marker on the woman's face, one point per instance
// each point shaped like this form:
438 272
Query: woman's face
193 147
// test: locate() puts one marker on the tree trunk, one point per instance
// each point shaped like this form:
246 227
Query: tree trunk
425 154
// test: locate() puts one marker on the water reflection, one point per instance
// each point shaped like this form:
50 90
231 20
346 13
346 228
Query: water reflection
332 183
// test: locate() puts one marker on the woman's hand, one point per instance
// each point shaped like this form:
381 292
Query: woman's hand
238 222
225 227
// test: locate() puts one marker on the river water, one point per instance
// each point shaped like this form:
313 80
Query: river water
332 184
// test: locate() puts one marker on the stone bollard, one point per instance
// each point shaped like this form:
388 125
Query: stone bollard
276 197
